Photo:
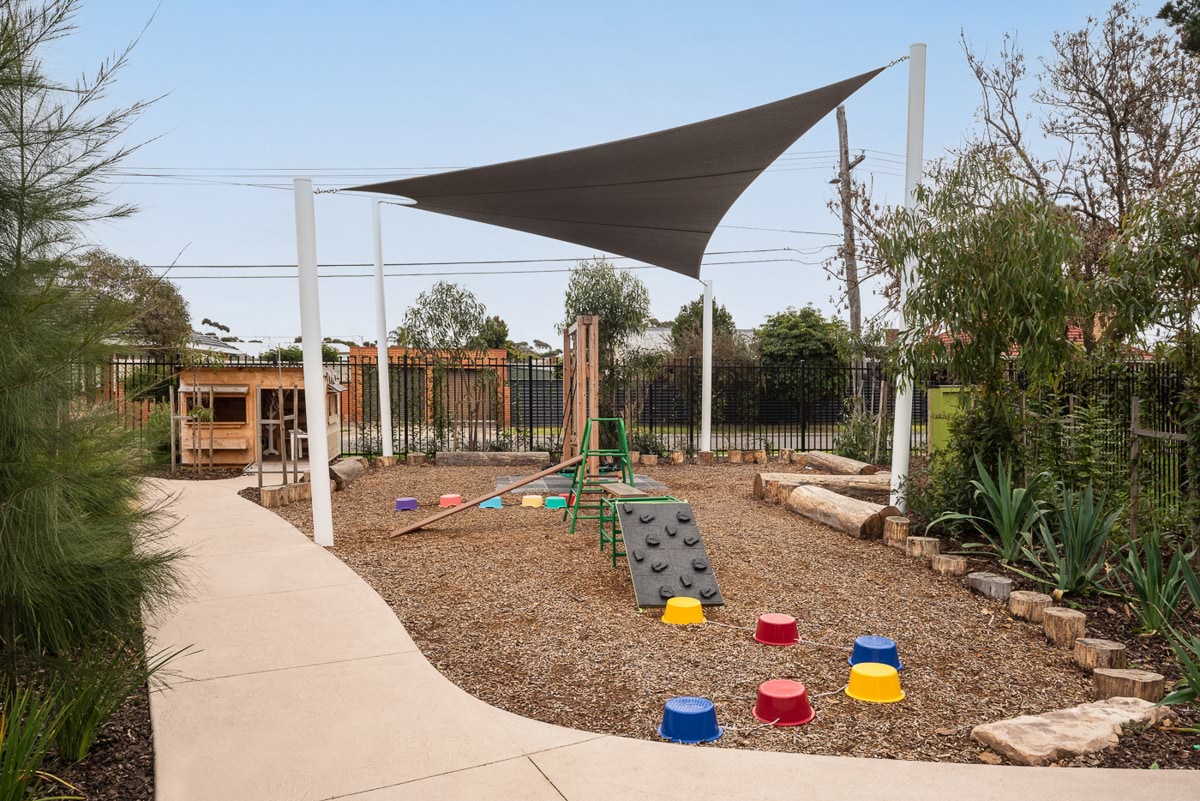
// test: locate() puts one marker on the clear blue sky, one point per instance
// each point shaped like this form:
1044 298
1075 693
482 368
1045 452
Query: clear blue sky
333 89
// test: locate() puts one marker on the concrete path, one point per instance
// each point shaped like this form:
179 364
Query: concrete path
304 685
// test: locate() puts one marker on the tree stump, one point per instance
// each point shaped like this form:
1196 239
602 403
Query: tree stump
1121 683
947 565
384 461
678 457
650 459
1091 653
635 457
1028 605
414 459
760 457
706 458
735 457
1063 626
797 457
922 547
990 585
785 455
895 531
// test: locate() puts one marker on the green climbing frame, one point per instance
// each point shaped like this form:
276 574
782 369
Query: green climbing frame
587 490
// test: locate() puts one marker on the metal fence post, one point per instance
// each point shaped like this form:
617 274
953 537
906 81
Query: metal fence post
803 408
690 407
404 384
528 397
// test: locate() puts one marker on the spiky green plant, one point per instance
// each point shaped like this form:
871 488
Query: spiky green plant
1156 586
28 720
1074 543
97 684
77 548
1011 512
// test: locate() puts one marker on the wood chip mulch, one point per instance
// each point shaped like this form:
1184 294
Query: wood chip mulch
523 615
120 766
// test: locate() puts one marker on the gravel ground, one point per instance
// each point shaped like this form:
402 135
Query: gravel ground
516 611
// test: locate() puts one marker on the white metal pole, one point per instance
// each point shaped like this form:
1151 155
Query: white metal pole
381 341
314 370
913 171
706 372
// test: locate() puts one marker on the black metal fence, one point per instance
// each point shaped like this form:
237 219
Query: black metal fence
516 404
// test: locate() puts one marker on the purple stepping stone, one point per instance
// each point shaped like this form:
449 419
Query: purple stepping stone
406 504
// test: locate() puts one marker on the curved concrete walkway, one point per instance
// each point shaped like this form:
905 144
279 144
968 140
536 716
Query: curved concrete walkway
305 685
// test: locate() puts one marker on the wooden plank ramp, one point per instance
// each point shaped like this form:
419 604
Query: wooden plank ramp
453 510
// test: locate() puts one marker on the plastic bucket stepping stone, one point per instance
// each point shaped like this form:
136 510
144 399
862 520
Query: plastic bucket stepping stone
406 504
870 648
532 501
556 502
783 702
776 629
689 719
492 503
876 683
450 500
683 612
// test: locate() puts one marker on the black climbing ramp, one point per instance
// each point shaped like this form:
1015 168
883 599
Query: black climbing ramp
666 554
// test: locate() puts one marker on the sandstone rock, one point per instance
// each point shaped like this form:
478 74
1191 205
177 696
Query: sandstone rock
346 471
1084 729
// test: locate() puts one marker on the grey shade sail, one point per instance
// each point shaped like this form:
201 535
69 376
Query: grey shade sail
656 198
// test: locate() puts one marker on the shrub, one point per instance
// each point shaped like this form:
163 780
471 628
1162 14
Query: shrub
1157 588
28 721
156 435
1009 513
855 438
1074 547
646 442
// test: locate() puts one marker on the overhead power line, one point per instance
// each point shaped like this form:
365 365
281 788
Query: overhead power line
471 263
473 272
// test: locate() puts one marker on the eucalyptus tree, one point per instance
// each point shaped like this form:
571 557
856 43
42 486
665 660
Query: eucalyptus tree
990 292
1111 118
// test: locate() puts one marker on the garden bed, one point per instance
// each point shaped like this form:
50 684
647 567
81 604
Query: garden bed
121 764
523 615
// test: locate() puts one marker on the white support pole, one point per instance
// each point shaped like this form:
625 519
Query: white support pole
913 171
314 370
706 372
381 341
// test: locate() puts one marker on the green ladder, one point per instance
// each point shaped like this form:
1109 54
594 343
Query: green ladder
588 490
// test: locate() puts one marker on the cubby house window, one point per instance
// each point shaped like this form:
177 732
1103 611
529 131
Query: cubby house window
225 408
229 409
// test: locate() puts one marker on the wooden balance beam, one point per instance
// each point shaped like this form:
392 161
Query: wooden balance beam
453 510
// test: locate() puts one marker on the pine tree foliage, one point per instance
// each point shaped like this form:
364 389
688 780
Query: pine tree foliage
79 550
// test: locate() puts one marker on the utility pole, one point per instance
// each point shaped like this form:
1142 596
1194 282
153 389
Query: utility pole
849 252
